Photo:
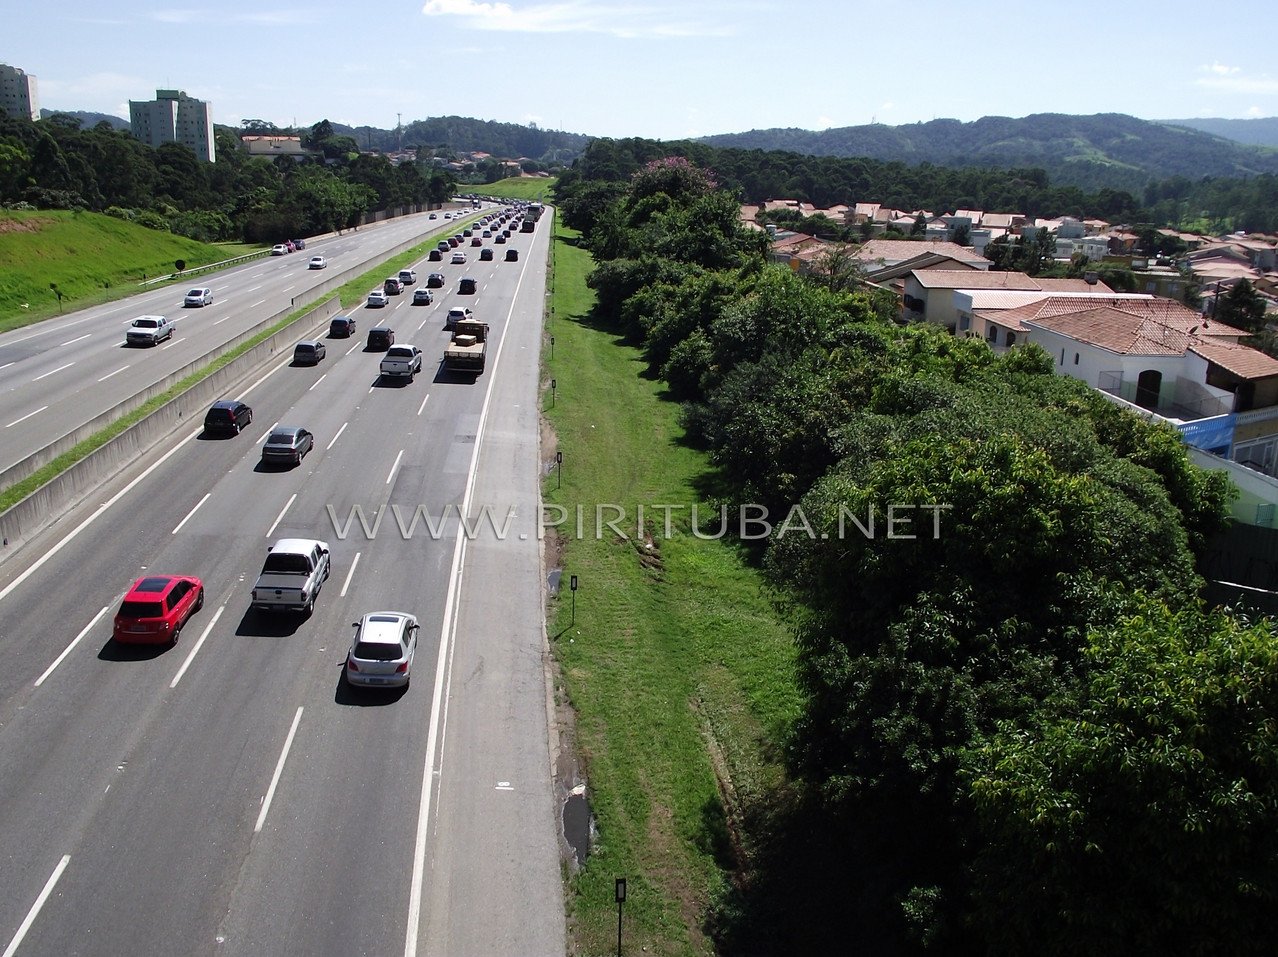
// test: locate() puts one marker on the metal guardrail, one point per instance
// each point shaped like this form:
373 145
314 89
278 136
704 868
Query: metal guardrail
207 267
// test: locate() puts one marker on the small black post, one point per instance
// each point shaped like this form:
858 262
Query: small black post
552 388
572 586
620 893
559 470
552 347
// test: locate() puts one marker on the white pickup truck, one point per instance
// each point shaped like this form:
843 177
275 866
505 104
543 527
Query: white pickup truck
401 362
293 574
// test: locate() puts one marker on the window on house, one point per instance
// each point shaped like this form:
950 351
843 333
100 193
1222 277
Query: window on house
1062 362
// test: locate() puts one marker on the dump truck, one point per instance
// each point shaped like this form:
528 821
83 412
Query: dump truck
466 352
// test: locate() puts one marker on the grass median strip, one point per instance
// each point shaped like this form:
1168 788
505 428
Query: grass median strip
679 670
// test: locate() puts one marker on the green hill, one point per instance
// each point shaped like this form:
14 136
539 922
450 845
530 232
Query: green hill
1092 152
89 257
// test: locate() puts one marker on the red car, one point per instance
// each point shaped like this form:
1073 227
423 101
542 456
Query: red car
156 608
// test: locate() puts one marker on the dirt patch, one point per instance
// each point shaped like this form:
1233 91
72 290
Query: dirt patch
32 225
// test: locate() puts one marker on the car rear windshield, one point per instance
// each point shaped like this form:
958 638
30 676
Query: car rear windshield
142 609
378 651
218 415
286 563
281 438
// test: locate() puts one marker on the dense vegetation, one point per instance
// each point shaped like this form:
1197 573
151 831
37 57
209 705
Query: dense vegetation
1207 205
55 164
1021 732
1108 150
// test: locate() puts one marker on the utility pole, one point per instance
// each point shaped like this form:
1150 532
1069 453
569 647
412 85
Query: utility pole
399 132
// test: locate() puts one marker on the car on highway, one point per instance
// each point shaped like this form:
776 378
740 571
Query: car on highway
434 256
309 352
380 338
199 296
287 444
341 327
422 296
488 234
279 249
458 257
485 254
382 651
435 280
377 298
457 314
227 415
392 286
467 232
299 243
148 331
317 262
408 277
466 286
500 237
156 607
476 241
512 255
432 216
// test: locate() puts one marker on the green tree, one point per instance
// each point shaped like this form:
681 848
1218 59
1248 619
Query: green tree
1241 306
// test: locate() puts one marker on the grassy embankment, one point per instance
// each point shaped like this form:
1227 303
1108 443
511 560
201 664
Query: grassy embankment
90 257
677 666
36 248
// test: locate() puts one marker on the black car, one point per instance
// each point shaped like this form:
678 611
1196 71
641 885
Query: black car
299 244
435 280
287 444
512 255
435 256
227 415
381 338
500 238
485 254
466 287
341 327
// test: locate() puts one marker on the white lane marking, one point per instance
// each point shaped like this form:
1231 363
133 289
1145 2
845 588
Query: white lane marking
77 339
262 440
390 475
280 516
219 321
258 303
27 416
443 664
67 650
35 908
337 436
349 575
348 351
191 657
318 381
423 405
177 528
504 786
283 363
39 562
109 374
52 371
6 365
255 289
279 770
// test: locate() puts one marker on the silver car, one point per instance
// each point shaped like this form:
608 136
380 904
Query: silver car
382 651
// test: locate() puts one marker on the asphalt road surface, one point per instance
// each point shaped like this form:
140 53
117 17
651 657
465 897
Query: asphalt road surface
230 794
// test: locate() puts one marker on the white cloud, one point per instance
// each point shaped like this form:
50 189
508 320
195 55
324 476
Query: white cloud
575 16
1231 79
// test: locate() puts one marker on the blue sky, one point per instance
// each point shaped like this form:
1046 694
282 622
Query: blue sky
649 68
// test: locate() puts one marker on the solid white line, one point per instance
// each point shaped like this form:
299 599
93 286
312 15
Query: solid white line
179 525
443 668
109 374
337 436
77 339
349 575
27 416
75 641
35 908
423 405
51 371
39 563
391 474
191 657
318 381
280 516
279 769
271 372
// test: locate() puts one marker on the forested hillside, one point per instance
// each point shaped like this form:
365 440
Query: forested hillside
1108 150
1262 131
461 134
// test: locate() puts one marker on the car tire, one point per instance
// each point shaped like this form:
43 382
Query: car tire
199 601
310 606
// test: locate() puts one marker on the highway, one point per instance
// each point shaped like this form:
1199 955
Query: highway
58 374
230 795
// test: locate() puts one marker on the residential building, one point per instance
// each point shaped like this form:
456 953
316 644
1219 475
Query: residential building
258 144
174 117
18 93
929 293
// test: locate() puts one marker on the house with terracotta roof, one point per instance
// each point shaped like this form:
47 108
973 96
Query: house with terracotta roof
879 253
929 293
